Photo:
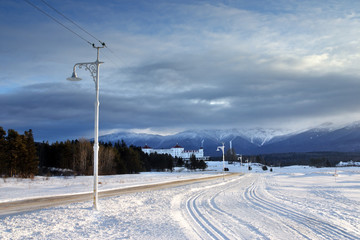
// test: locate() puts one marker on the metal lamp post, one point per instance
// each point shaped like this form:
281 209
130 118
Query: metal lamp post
222 148
93 68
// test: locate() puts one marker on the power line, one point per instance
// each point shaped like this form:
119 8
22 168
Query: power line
77 25
54 19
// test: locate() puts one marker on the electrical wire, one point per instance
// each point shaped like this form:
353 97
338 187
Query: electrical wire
77 25
81 28
72 31
39 9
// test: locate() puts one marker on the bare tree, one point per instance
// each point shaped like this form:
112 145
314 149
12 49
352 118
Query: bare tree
84 159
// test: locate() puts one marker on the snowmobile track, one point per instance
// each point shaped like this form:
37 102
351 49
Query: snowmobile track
317 226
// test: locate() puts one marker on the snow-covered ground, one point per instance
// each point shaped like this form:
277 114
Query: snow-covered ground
18 189
288 203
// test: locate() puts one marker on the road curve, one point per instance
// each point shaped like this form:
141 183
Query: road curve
14 207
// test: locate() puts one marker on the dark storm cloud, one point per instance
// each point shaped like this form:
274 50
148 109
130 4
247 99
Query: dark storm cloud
195 65
58 108
258 96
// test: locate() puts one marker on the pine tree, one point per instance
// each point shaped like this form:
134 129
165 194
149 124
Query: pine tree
133 163
3 152
31 160
120 164
202 165
17 152
193 162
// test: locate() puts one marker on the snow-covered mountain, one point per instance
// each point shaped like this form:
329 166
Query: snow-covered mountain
326 137
344 138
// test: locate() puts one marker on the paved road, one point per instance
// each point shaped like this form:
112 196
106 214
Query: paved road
15 207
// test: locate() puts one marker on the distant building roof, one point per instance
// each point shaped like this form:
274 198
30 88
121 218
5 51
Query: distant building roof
177 146
146 147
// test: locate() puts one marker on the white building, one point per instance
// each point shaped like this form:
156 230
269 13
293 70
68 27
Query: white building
177 151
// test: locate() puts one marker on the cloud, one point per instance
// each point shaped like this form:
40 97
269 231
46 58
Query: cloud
179 65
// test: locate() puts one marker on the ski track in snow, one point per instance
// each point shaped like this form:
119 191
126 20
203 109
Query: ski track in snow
312 226
217 212
251 206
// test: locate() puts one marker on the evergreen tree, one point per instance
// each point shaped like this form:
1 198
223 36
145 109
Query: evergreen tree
42 152
169 162
133 163
120 165
3 152
30 162
67 155
179 162
193 162
16 153
130 156
317 162
202 165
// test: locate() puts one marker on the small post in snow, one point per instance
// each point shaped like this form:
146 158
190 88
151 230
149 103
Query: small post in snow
222 148
240 158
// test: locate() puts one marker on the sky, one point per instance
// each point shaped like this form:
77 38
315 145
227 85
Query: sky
176 65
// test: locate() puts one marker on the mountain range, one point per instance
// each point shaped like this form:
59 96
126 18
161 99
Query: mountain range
326 137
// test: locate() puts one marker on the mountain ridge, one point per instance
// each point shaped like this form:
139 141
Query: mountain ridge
325 137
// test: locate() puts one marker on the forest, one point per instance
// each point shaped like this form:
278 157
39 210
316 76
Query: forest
20 156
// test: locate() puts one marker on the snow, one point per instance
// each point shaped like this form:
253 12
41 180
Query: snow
297 202
259 136
349 163
19 189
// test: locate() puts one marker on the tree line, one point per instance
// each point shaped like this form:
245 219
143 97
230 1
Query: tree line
117 158
20 156
315 159
17 154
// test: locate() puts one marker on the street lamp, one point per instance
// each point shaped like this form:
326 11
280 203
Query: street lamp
93 68
222 148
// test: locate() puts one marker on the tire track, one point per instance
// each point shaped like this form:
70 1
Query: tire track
249 196
199 218
236 220
339 206
243 208
214 222
318 227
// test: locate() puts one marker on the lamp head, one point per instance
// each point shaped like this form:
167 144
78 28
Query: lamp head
74 77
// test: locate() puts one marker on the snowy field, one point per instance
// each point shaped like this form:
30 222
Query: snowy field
289 203
18 189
